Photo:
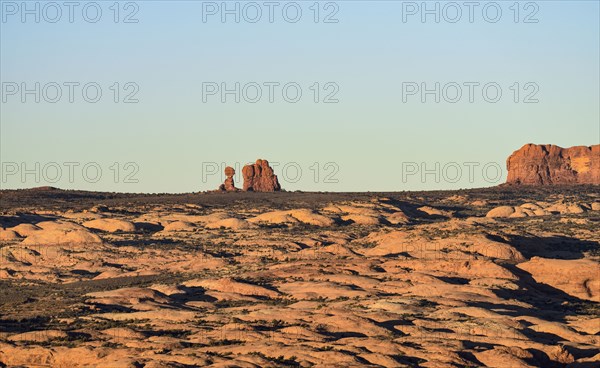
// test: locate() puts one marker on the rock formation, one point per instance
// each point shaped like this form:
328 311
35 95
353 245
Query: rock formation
229 185
578 278
259 177
551 165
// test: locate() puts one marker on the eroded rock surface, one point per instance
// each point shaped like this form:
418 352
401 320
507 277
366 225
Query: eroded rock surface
259 177
548 164
314 280
229 184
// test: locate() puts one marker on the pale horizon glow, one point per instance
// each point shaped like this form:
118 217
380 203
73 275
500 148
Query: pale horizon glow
361 143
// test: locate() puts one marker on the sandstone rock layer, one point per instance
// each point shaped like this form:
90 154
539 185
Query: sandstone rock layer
229 184
259 177
551 165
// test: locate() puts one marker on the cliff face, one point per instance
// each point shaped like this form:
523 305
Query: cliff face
550 165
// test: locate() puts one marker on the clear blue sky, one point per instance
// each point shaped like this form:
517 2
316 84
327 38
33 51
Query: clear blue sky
371 135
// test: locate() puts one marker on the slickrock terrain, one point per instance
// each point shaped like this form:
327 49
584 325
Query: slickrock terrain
499 277
548 164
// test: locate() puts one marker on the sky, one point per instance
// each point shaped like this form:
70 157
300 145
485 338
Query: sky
159 96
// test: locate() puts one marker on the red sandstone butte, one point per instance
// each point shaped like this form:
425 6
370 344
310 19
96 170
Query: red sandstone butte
548 164
259 177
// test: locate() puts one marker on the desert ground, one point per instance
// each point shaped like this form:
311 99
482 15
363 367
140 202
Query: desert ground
499 277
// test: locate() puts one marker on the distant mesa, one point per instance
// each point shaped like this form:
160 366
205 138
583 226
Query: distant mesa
258 177
43 189
548 164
